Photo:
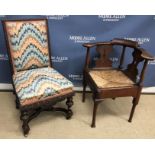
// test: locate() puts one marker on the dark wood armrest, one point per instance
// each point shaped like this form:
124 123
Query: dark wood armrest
124 42
146 55
115 41
89 45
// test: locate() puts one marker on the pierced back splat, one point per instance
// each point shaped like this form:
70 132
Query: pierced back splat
132 70
104 60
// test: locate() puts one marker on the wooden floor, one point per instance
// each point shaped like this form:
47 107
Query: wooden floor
112 119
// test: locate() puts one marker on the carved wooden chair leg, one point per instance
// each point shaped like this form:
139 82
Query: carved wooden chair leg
17 103
69 104
13 92
25 118
93 125
84 90
135 102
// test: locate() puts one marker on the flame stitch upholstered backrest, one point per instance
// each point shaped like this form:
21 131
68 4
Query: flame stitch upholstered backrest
28 44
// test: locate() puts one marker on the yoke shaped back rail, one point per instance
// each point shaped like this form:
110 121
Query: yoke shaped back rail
28 44
105 48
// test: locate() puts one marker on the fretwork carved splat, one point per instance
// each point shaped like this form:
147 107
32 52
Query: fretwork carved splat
132 70
104 60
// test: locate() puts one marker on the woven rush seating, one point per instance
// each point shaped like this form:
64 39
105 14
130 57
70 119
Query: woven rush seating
110 79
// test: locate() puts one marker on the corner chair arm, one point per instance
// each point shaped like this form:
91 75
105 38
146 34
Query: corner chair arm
89 45
146 55
125 42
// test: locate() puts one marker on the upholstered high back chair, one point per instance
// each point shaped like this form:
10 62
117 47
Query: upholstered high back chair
36 84
106 81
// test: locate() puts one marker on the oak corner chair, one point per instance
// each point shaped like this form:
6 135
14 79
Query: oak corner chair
106 81
37 85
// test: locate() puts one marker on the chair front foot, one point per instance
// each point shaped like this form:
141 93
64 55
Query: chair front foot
93 125
69 104
69 114
135 102
132 113
25 118
26 129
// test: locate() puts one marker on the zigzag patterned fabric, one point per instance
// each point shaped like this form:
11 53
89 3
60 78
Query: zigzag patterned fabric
28 44
39 84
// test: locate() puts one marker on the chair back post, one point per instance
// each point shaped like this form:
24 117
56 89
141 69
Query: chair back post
8 47
122 57
87 59
143 72
49 44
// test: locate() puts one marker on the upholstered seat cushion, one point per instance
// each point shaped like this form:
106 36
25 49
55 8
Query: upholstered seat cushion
110 78
38 84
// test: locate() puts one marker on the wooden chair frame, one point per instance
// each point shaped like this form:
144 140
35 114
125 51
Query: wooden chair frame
99 94
29 112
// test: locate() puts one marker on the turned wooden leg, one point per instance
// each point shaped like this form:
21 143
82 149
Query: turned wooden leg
25 118
69 104
17 103
84 90
93 125
17 100
13 92
135 102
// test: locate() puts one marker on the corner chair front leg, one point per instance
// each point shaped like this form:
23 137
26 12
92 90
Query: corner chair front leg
135 102
69 104
93 125
84 88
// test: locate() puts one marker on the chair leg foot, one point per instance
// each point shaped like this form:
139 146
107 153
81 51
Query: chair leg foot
69 114
69 104
25 118
26 129
132 113
93 125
